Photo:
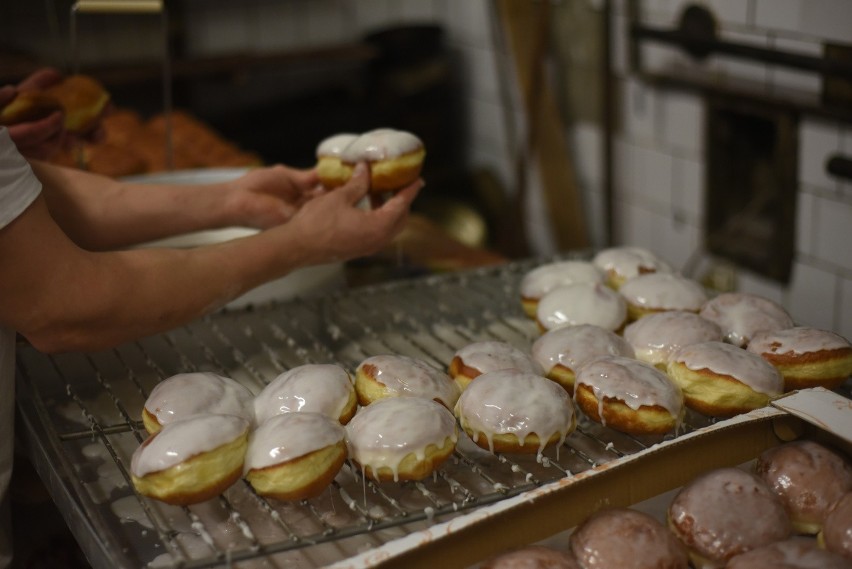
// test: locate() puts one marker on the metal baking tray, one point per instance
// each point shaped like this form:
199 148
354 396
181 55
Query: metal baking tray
81 417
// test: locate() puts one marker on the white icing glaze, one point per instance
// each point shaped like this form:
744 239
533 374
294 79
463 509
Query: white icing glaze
727 511
385 432
798 340
582 303
635 383
795 553
656 336
283 438
186 394
334 145
572 346
545 278
380 144
319 388
665 291
492 356
837 528
511 401
629 262
181 440
741 315
725 359
408 376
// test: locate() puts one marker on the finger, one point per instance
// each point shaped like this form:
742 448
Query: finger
403 199
357 186
7 94
36 132
41 79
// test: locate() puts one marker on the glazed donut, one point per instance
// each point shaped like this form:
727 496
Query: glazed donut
741 315
623 263
28 106
581 303
191 460
836 535
395 158
477 358
514 411
531 557
724 513
318 388
626 538
330 169
541 280
382 376
294 456
658 292
805 357
84 100
629 396
657 336
401 438
186 394
808 478
719 379
563 351
793 553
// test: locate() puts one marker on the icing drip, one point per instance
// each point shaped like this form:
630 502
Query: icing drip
514 402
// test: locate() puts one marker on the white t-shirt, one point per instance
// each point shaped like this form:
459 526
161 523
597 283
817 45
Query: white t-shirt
18 189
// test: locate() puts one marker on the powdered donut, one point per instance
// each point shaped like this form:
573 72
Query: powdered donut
658 292
383 376
581 303
545 278
477 358
191 460
805 357
186 394
623 263
808 478
295 456
794 553
563 351
741 315
724 513
719 379
532 557
319 388
628 395
401 438
626 538
514 411
656 337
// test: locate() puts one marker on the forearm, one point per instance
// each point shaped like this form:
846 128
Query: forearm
100 213
90 301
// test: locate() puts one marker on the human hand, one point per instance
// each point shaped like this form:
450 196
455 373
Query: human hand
265 197
331 227
40 138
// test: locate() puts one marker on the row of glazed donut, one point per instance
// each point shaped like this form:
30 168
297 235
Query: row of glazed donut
727 517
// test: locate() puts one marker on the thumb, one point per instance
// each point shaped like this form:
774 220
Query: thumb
358 184
7 94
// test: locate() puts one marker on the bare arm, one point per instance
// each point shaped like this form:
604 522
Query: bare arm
62 297
100 213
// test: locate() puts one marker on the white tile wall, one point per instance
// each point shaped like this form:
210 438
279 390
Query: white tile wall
817 142
844 324
833 239
811 296
682 123
688 189
785 78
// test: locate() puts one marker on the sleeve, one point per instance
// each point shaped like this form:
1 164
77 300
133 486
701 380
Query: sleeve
19 187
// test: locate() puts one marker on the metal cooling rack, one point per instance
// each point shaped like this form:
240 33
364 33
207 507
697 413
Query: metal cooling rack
81 414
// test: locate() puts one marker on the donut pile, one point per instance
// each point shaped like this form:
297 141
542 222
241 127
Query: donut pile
797 501
718 356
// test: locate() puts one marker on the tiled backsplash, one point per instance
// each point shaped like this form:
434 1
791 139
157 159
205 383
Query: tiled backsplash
659 147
